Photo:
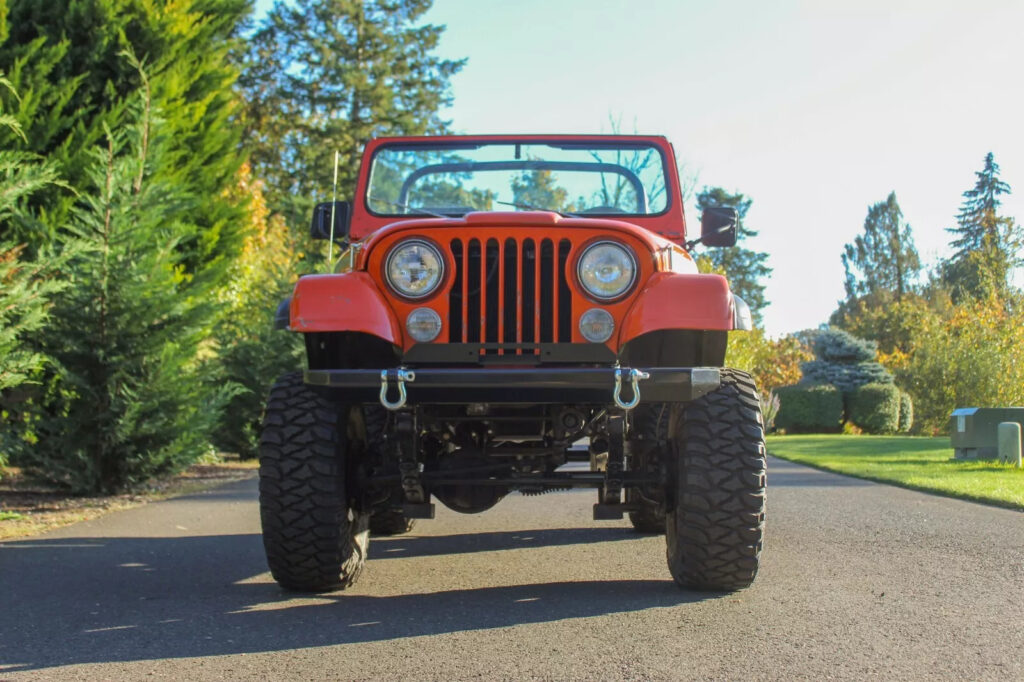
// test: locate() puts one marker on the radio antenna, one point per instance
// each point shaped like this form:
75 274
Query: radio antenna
334 204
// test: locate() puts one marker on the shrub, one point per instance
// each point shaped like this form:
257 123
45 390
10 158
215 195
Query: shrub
972 356
251 353
769 408
906 412
875 408
809 408
771 362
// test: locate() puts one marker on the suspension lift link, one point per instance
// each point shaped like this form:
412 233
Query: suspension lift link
417 503
609 504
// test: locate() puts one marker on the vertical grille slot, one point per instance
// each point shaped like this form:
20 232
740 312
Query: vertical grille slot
509 292
489 271
528 286
472 264
455 299
510 283
547 291
563 313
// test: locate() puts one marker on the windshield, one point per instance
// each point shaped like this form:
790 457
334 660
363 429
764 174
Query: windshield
571 179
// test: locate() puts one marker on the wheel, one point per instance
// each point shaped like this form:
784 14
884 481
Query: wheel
715 521
313 539
390 522
650 422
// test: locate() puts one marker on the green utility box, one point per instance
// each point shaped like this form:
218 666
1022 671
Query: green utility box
974 431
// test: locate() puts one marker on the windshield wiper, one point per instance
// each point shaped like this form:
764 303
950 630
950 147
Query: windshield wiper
535 208
421 211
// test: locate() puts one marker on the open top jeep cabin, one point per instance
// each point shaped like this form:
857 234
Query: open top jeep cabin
505 305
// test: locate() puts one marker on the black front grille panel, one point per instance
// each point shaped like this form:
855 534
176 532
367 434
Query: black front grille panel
510 295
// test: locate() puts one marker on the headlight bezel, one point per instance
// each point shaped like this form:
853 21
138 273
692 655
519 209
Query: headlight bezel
434 316
600 312
630 254
405 243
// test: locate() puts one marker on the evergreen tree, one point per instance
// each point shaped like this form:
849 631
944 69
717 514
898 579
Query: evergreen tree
882 269
988 246
328 75
746 269
883 262
66 59
842 360
130 398
25 286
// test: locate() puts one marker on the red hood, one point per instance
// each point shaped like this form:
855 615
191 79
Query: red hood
529 220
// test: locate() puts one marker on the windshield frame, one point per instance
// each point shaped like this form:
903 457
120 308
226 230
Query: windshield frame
567 142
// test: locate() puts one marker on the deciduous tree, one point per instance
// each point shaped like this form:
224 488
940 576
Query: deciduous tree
882 262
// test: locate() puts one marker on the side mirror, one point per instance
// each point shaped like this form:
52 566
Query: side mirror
321 226
718 226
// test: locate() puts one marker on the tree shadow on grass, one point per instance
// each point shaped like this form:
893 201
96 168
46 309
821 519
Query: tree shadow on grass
96 600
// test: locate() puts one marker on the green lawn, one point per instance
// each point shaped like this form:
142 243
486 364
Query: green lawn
919 463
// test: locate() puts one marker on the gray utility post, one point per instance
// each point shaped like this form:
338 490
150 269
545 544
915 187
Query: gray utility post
1009 443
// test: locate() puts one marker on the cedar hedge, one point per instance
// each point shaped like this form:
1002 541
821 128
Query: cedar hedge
906 413
809 408
875 408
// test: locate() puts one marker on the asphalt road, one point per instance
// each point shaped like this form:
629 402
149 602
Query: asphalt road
858 580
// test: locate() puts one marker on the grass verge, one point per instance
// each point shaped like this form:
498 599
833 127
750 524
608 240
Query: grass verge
918 463
28 508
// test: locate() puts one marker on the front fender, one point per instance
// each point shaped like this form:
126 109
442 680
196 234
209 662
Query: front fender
347 302
679 301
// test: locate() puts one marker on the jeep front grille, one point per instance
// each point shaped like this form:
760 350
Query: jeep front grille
507 299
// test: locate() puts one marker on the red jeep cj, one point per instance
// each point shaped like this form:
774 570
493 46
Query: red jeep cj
504 306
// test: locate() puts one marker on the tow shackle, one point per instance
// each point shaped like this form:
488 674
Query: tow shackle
635 377
401 376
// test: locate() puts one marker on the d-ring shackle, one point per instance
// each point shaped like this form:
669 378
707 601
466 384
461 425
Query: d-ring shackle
635 375
403 375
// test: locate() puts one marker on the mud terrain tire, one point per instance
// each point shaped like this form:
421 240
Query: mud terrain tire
715 521
313 540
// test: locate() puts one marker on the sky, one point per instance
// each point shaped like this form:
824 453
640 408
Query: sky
813 109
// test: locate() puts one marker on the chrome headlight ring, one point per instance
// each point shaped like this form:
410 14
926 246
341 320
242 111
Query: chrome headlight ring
414 268
606 270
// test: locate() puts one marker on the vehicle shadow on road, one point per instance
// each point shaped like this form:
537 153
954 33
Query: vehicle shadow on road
402 546
94 600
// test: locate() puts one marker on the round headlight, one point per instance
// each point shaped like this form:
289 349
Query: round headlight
423 325
597 325
415 268
606 270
